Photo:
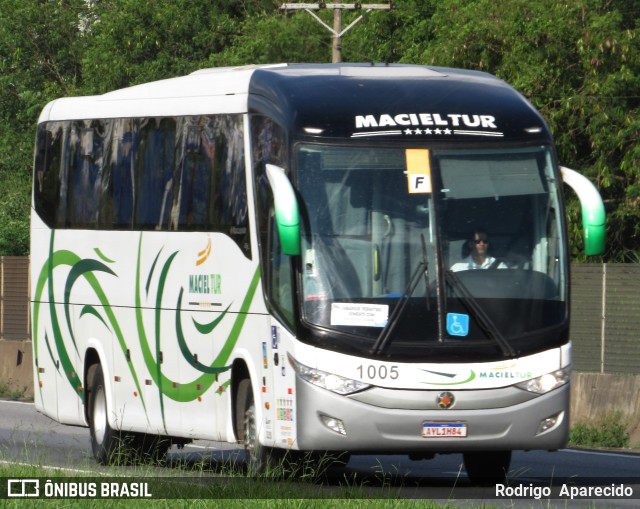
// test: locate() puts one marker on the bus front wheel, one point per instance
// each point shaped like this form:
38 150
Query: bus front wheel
104 439
257 455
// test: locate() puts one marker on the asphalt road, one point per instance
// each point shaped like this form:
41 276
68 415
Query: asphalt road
27 437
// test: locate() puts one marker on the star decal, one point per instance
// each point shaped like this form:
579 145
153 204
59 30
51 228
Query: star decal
438 131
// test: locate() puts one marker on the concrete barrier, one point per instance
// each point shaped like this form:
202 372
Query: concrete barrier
16 368
595 395
592 395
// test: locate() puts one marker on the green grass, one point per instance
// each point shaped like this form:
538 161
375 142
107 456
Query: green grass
608 431
8 391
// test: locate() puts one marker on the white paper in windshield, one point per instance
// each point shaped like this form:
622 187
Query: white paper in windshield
359 315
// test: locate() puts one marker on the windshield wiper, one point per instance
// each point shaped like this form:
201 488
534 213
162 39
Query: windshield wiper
421 270
485 322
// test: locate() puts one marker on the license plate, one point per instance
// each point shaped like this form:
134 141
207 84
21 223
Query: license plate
432 429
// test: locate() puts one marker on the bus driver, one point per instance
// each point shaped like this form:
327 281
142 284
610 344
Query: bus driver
479 257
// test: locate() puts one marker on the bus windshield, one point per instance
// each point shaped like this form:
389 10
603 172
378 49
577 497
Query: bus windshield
469 255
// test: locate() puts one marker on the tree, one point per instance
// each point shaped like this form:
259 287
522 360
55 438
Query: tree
40 46
577 62
136 42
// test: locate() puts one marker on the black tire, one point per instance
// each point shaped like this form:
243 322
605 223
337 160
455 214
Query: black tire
257 456
106 443
487 467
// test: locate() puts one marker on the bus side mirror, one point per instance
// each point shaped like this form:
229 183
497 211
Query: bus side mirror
286 210
593 214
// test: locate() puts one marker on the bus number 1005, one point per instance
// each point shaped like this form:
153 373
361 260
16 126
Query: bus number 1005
381 372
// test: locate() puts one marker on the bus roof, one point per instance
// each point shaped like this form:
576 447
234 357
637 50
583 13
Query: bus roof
395 101
222 90
331 100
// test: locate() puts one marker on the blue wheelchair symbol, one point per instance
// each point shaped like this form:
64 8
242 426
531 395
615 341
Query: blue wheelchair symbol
457 324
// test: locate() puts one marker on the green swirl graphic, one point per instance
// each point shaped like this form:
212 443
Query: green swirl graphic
91 270
471 377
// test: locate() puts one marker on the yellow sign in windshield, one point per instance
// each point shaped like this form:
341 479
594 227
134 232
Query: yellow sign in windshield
418 170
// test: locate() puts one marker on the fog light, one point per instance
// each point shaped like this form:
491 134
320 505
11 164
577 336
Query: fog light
547 424
334 424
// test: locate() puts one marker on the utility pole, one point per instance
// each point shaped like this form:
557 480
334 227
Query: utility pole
337 31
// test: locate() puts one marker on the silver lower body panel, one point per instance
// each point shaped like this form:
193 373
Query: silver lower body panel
376 429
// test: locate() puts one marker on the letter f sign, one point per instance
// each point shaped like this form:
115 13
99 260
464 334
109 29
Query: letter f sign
418 171
419 184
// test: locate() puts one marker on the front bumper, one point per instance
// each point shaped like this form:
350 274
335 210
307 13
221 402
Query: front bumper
389 428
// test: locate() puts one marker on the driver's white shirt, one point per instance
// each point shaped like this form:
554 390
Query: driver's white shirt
469 264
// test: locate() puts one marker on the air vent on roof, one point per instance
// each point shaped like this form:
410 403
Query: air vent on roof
211 70
380 71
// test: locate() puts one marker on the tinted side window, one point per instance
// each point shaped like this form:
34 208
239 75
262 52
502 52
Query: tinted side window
155 150
47 172
209 184
184 173
268 146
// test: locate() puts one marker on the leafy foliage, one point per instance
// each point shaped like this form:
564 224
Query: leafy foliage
577 62
609 430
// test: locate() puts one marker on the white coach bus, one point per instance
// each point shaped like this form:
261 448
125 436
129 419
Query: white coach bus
282 256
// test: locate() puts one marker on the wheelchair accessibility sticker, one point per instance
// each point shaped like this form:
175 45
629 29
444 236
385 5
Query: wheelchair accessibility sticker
457 324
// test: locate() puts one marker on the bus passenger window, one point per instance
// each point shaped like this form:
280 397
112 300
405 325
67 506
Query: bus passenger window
86 161
230 207
122 180
195 165
48 174
209 184
155 172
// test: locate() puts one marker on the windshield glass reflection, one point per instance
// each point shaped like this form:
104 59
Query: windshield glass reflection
490 217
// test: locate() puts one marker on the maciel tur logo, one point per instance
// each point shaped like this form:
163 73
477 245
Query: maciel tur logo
429 124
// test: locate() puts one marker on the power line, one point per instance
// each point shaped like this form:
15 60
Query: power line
337 31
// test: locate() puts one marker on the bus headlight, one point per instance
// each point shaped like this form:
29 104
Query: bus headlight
546 382
328 381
